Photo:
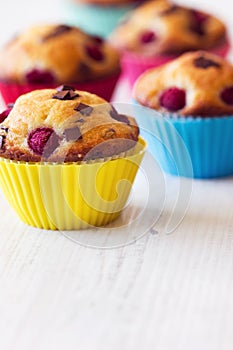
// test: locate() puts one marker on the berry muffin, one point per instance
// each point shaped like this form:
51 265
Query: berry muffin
189 114
98 17
159 31
62 155
47 55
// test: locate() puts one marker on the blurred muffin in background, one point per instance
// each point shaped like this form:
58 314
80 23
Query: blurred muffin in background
159 31
98 17
186 114
45 56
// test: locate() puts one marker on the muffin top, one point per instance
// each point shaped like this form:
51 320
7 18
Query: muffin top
64 125
195 84
160 27
57 53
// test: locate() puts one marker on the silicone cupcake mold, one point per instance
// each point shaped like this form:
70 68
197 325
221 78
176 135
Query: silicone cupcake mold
68 159
186 115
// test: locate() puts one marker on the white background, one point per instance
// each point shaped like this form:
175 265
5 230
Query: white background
164 292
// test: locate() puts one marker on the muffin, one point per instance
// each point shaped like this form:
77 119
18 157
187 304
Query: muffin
97 17
188 119
45 56
159 31
64 154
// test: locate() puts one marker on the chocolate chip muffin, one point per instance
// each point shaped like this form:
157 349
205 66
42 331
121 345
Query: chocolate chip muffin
68 160
56 53
189 108
44 56
160 27
64 125
197 84
158 31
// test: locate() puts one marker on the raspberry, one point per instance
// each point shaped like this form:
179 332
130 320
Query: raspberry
36 76
95 53
173 99
43 141
198 22
148 37
200 17
4 114
227 95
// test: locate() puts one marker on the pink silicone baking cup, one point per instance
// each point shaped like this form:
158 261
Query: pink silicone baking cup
102 87
134 65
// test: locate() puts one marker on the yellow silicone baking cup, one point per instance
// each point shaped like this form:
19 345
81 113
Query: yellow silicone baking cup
70 196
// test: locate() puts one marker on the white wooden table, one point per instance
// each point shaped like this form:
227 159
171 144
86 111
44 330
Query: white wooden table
164 291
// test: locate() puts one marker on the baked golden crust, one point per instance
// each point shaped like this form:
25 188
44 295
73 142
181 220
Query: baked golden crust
206 79
65 52
84 126
176 29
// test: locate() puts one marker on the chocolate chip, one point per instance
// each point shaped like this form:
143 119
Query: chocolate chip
169 11
202 62
73 134
123 119
65 88
84 109
10 105
72 95
65 95
57 31
4 128
1 141
80 120
119 117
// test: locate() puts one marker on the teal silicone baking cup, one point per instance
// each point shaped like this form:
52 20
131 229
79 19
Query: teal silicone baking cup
96 20
187 146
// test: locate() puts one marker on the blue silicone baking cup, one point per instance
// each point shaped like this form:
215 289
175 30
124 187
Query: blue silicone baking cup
197 147
96 20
